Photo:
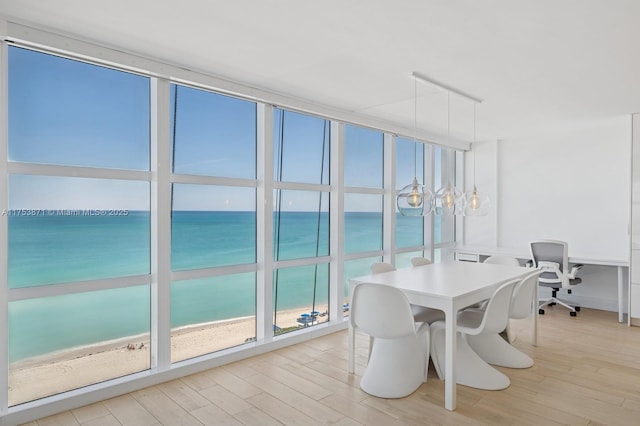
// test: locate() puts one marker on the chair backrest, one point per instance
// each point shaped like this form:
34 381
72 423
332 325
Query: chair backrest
525 296
496 314
552 257
381 311
418 261
379 267
502 260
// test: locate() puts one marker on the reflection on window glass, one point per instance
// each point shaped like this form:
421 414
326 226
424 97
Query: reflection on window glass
65 342
300 224
212 226
300 297
363 157
362 222
67 112
74 229
213 135
211 314
301 148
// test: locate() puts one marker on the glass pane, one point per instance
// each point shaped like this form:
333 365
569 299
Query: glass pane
403 260
352 269
68 112
300 224
362 222
444 226
211 314
409 162
213 135
301 148
73 229
300 297
409 230
437 255
363 157
65 342
212 226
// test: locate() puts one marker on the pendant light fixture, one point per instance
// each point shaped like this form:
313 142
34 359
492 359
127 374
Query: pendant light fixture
414 199
475 203
448 199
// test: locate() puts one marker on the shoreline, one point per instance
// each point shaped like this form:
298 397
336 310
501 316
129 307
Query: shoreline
122 342
65 370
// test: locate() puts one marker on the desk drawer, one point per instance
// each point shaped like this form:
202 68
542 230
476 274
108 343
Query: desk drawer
466 257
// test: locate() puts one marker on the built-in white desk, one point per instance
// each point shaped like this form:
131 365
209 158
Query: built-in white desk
479 253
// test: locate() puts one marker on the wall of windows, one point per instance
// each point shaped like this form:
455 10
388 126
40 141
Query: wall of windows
153 225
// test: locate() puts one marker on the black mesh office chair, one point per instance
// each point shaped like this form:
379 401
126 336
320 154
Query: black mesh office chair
552 257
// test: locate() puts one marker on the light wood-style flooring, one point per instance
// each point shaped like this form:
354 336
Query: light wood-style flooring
587 372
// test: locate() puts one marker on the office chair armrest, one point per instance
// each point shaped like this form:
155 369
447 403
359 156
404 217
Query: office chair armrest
574 270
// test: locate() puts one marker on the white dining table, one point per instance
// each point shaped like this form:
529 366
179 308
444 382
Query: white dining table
448 286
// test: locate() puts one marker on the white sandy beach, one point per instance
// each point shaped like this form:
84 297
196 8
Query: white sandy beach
62 371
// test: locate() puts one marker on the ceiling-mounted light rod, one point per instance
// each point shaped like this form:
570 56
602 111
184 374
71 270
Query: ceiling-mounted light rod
445 87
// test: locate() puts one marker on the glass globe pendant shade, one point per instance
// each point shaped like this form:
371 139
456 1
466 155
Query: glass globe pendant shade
476 203
448 200
414 200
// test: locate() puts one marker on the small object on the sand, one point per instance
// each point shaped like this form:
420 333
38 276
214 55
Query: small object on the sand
141 346
130 346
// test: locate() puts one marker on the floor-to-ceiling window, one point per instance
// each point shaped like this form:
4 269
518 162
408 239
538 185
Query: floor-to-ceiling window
410 230
78 224
444 229
363 200
213 221
300 220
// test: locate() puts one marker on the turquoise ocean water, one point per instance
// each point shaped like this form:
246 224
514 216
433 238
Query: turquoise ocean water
72 246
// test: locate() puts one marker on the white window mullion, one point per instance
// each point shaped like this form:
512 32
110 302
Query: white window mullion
160 225
264 223
4 224
336 222
459 182
428 179
388 208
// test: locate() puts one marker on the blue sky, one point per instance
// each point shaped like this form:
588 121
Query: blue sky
71 113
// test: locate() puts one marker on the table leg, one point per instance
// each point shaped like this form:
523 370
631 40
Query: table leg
620 294
534 339
352 344
450 359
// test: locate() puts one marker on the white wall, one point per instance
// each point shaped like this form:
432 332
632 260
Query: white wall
572 185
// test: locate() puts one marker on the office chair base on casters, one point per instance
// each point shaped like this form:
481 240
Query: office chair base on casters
553 301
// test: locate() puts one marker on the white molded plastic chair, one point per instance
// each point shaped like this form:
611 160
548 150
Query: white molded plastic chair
472 370
502 260
419 261
400 355
492 347
552 257
496 260
420 313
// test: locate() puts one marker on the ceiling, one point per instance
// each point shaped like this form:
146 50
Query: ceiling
539 65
